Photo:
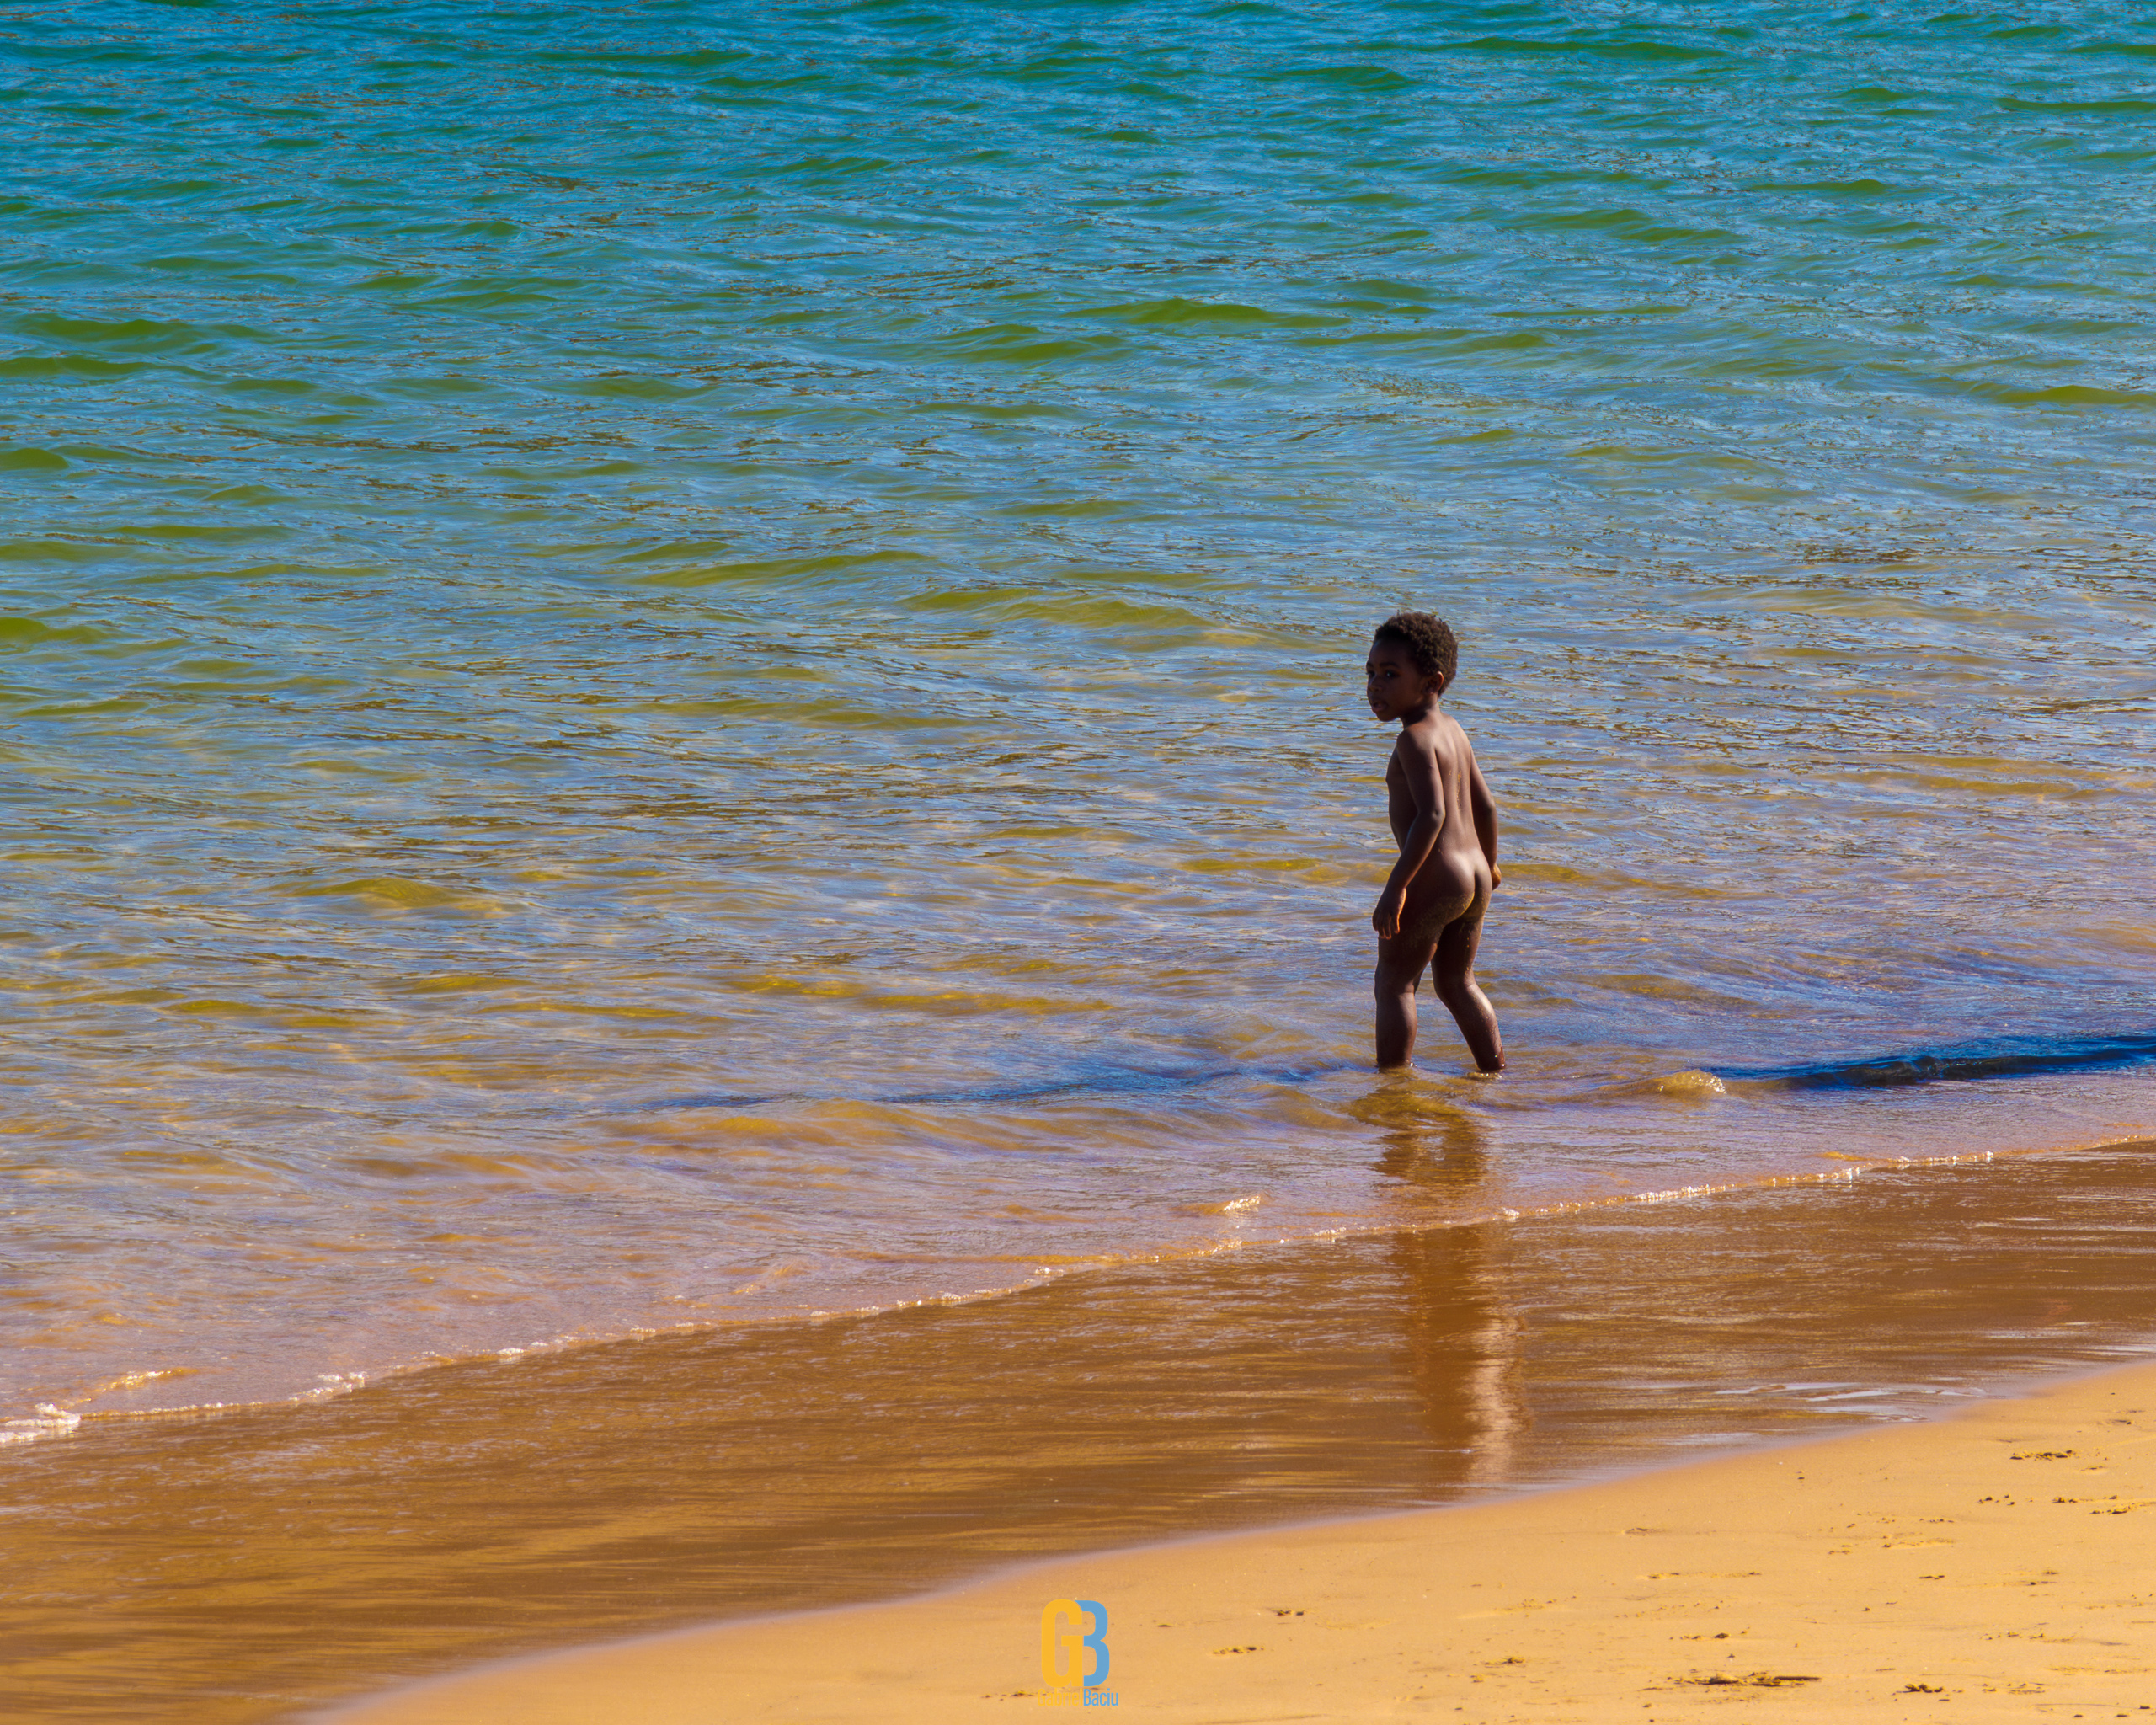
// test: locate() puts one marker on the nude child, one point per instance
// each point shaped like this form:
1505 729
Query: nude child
1430 916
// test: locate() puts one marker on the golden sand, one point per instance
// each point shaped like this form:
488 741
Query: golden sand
1998 1565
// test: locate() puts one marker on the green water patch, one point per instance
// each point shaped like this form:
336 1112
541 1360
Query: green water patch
1356 80
72 551
205 532
35 631
32 461
1029 344
1089 611
1379 294
143 335
1865 188
248 496
965 599
635 386
496 293
2022 105
394 893
2059 395
1635 226
1078 509
66 368
707 563
1620 49
1210 316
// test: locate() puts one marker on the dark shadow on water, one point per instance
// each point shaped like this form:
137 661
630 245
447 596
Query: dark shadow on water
1125 1082
1998 1059
2003 1059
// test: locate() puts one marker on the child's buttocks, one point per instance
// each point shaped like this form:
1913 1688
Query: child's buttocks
1446 890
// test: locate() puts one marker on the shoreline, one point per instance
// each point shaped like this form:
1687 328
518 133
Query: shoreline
57 1414
1987 1563
52 1422
309 1557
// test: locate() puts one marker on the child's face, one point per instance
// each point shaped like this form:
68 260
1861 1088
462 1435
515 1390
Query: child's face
1396 684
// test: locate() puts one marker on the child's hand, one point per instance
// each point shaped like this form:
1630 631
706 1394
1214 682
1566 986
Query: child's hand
1385 918
1496 876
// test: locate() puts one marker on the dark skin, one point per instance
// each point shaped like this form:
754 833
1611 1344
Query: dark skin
1445 823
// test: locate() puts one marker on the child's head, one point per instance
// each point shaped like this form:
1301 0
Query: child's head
1427 640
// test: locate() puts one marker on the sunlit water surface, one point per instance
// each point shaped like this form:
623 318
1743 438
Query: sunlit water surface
672 664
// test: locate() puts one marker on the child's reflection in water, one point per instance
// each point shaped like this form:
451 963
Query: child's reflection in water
1458 1316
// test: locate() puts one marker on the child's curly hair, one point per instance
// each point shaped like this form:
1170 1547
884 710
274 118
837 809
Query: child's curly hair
1429 642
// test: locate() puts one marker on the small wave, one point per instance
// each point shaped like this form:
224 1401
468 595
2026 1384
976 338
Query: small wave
50 1421
1691 1083
1993 1060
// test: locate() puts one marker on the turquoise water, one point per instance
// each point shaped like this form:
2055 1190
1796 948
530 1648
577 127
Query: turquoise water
666 664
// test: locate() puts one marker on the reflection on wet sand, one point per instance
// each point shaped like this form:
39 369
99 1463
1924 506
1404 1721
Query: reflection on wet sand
1461 1332
239 1568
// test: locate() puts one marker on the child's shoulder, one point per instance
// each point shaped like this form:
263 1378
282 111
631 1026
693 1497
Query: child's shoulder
1435 730
1425 734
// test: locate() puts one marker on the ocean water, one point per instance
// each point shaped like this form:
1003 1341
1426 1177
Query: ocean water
672 665
688 819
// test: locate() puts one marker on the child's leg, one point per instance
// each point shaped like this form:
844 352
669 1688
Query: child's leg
1452 975
1400 964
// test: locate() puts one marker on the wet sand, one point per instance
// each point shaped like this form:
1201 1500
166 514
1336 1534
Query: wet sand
259 1565
1992 1566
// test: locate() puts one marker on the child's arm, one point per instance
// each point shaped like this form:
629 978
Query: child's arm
1484 808
1418 763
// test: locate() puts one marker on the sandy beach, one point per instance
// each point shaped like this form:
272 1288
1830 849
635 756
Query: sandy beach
1992 1565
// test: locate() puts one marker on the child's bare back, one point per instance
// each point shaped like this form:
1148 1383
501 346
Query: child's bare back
1430 916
